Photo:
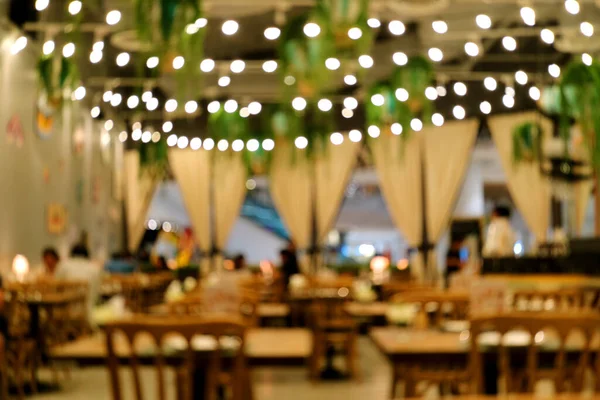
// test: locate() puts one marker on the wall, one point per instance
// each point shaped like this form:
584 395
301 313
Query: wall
254 242
49 170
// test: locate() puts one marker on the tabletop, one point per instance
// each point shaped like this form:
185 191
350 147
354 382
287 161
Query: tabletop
525 396
365 310
264 310
261 344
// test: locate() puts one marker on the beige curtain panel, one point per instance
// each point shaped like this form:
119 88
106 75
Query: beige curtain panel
529 189
582 193
291 186
447 151
398 165
139 189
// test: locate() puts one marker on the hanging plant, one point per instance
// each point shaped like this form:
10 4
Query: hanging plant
401 99
303 59
527 142
154 159
55 75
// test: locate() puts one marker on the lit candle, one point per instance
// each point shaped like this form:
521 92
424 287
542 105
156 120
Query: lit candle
20 267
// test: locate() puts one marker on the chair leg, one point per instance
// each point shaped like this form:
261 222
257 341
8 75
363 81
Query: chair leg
351 358
395 378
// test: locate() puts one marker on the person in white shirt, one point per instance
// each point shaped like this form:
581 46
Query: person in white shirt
500 238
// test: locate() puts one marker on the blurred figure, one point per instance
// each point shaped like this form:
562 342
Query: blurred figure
453 261
289 265
51 261
239 263
161 264
500 238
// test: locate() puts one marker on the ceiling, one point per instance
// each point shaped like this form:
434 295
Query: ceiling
249 44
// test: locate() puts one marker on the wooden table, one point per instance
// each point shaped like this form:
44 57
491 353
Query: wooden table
264 310
367 310
264 346
524 396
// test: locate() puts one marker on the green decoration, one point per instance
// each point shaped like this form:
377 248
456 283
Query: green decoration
414 78
527 142
55 74
154 159
338 17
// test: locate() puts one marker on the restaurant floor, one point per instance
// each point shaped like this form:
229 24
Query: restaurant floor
270 383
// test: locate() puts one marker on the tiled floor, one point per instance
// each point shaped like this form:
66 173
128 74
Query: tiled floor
280 383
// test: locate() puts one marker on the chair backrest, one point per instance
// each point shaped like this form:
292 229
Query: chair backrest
552 300
440 305
195 305
547 338
184 357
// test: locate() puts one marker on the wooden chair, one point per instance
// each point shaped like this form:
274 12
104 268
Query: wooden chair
436 307
333 329
185 363
3 369
392 288
551 352
552 300
194 304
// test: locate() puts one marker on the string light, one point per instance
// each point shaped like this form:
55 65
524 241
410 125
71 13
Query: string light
171 105
431 93
354 33
230 106
373 131
172 140
401 94
95 112
416 124
107 96
365 61
123 136
48 47
152 104
396 28
554 70
509 43
534 93
213 107
547 36
528 16
269 66
435 54
347 113
325 105
123 59
116 99
268 144
299 104
147 96
191 107
79 93
312 30
458 112
178 62
377 100
460 88
146 136
521 77
272 33
508 101
301 142
252 145
483 21
167 126
441 91
400 58
201 23
237 145
332 63
586 59
224 81
75 7
437 119
244 112
336 138
289 80
350 80
195 143
587 29
374 23
472 49
237 66
490 83
207 65
113 17
355 136
183 142
254 108
440 27
396 129
152 62
485 107
136 135
41 5
68 50
230 27
572 6
350 103
133 102
209 144
95 57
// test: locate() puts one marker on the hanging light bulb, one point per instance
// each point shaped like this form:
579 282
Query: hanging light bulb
472 49
75 7
312 30
460 88
440 27
237 66
490 83
396 28
485 107
272 33
400 58
207 65
587 29
572 6
123 59
547 36
521 77
458 112
534 93
483 21
435 54
528 16
48 47
230 27
41 5
113 17
509 43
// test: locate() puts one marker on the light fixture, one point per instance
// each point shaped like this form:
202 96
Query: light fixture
136 125
435 54
252 145
325 105
201 22
113 17
213 107
133 101
396 27
123 136
508 101
587 59
301 142
587 29
547 36
534 93
195 143
68 50
365 61
350 103
116 99
490 83
485 107
299 104
441 91
439 26
572 6
152 62
182 143
171 105
207 65
48 47
208 144
237 145
98 46
509 43
289 80
400 58
355 136
521 77
402 94
230 106
431 93
416 124
123 59
244 113
554 70
152 104
336 138
178 62
377 99
230 27
146 137
509 90
350 80
95 57
20 267
332 63
396 129
312 30
167 126
75 7
172 140
107 96
41 5
136 135
460 88
156 137
437 119
254 108
458 112
192 29
268 144
272 33
270 66
374 131
354 33
191 107
483 21
528 16
472 49
374 23
95 112
237 66
224 81
146 96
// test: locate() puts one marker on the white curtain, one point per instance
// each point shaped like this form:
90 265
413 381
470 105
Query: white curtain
447 155
192 172
333 169
582 193
529 189
139 189
229 190
398 164
291 186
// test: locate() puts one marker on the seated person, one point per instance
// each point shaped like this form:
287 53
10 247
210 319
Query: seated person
51 262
